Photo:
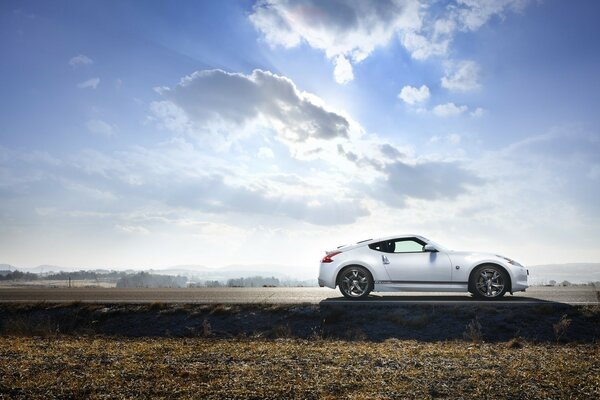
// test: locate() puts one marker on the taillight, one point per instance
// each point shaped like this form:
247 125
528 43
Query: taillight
328 257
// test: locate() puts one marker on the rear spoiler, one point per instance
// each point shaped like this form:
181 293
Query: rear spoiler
345 245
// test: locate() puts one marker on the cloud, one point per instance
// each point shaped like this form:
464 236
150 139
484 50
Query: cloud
462 76
390 151
478 112
473 14
346 30
212 98
421 47
343 70
174 177
212 194
412 95
272 105
99 127
400 178
265 153
79 60
449 110
438 28
454 138
90 83
429 180
133 229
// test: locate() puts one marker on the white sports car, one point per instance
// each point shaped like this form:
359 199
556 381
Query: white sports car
414 263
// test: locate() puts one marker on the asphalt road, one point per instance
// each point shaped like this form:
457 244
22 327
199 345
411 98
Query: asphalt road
565 295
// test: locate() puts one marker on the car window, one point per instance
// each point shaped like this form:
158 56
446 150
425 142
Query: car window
404 246
377 246
408 245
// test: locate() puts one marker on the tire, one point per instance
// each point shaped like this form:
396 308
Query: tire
489 282
355 282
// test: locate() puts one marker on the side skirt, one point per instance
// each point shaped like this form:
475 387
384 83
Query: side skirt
420 286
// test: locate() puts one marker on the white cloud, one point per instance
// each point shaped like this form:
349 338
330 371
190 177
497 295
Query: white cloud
133 229
265 153
449 110
462 76
222 102
343 70
412 95
478 112
266 104
454 138
171 117
473 14
80 59
100 127
437 31
346 30
421 47
90 83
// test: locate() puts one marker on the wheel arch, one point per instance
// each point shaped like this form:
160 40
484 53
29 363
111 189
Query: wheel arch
476 267
345 267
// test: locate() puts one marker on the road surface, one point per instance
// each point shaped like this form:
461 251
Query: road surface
575 295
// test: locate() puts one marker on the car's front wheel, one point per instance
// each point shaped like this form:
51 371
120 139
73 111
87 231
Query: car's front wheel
489 282
355 282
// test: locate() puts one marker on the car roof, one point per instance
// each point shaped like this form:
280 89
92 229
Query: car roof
381 239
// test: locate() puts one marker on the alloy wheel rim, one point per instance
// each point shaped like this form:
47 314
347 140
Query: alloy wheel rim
355 282
490 282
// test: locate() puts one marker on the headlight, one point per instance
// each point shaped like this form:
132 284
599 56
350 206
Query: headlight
512 262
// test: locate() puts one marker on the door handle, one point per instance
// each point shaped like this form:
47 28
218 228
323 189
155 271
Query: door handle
385 259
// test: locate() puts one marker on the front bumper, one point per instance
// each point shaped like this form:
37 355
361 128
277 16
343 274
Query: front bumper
520 283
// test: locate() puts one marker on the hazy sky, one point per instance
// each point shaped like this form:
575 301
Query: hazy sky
155 133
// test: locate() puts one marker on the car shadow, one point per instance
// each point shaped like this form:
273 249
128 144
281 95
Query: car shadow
457 317
441 299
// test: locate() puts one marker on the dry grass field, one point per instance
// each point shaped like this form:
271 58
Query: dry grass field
99 367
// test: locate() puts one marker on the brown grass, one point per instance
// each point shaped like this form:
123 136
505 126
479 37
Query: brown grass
95 367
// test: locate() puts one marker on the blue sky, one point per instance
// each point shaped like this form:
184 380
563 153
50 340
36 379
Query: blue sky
149 134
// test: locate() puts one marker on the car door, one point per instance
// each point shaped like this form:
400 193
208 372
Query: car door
406 262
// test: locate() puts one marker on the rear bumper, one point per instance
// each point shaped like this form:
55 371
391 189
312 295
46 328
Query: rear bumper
327 274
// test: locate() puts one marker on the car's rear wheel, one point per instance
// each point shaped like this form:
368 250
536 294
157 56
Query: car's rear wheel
355 282
489 282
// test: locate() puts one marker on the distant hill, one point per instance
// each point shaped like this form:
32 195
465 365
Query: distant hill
538 274
7 267
196 273
572 272
237 271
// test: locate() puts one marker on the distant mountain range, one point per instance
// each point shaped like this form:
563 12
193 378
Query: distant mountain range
572 272
193 272
538 274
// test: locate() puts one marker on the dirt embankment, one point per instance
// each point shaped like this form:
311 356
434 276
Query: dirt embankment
490 323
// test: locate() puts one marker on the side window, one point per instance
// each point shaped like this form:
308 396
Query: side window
405 246
408 245
379 246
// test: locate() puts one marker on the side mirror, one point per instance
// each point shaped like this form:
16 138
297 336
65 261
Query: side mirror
429 248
